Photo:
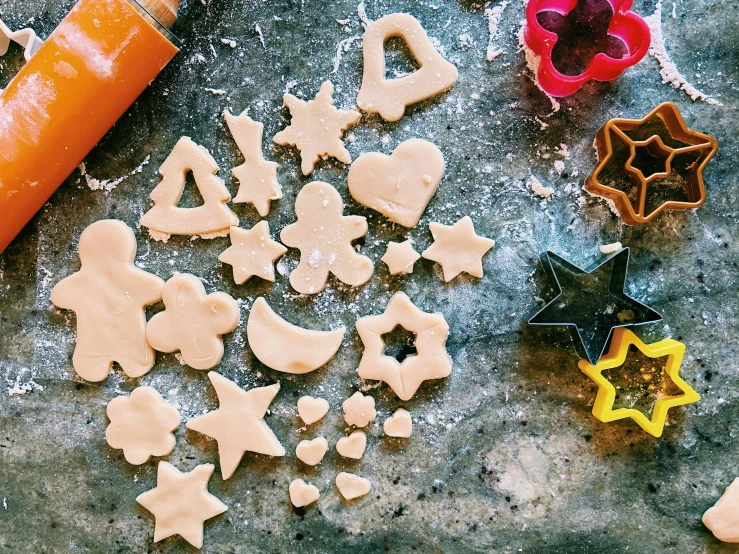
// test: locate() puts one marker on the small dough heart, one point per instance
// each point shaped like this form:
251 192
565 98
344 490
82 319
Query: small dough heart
399 424
401 185
312 452
302 494
311 409
352 486
352 446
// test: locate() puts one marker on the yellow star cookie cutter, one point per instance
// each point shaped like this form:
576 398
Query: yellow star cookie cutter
616 357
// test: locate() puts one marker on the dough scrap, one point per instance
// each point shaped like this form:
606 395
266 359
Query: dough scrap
312 409
302 494
399 424
324 237
389 98
400 257
352 446
252 253
238 424
457 248
166 218
316 128
257 177
312 452
431 360
723 517
352 486
181 502
142 425
400 185
193 322
109 294
359 409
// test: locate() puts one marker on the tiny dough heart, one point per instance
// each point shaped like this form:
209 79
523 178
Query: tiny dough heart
312 452
401 185
311 409
352 446
302 494
399 424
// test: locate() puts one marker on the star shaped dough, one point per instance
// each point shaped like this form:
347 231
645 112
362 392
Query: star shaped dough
181 502
400 257
238 423
457 248
252 253
316 128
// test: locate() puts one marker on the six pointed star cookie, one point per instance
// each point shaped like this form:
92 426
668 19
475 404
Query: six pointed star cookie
457 248
252 253
316 128
238 423
181 502
400 257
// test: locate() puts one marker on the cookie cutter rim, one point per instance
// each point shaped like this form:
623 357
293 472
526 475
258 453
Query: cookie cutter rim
27 38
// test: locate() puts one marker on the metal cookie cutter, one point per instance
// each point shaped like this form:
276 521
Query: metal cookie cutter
649 165
25 37
591 302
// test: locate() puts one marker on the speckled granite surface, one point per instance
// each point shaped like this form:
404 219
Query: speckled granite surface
505 456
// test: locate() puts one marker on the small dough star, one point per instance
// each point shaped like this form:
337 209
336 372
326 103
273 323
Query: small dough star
457 248
316 128
181 502
238 423
400 257
252 253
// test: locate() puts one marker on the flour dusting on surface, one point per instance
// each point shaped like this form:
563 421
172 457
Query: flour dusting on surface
494 16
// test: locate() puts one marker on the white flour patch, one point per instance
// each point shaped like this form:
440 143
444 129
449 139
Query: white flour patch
532 61
109 184
216 91
611 248
494 16
341 49
17 388
362 13
539 189
258 29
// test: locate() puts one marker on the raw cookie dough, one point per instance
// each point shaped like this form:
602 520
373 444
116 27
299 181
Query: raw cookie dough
399 424
390 97
257 177
352 446
359 409
352 486
316 128
324 237
400 257
238 424
193 322
723 517
283 346
213 217
142 424
457 248
311 409
109 295
312 452
181 502
431 360
252 253
401 185
302 494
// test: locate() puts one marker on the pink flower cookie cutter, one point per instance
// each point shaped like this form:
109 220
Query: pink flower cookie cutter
625 25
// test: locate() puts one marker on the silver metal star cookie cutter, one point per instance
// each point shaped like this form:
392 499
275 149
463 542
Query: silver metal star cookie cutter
27 38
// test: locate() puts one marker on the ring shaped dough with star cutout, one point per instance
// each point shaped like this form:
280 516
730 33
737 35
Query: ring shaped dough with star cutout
193 322
285 347
431 360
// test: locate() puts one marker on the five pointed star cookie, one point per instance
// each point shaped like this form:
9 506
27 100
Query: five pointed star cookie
238 423
616 357
457 248
252 253
316 128
181 502
400 257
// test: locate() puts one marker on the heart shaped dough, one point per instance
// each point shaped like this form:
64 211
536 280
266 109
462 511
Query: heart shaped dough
312 452
352 486
399 424
311 409
352 446
401 185
302 494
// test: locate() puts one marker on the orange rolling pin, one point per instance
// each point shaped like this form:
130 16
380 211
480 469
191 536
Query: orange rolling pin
94 65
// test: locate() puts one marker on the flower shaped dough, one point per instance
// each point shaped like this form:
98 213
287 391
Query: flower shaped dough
359 409
193 322
142 424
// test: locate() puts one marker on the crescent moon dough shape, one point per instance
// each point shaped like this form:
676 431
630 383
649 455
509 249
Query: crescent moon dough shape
285 347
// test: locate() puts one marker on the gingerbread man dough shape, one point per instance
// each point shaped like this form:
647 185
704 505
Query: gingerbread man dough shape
193 322
213 217
109 295
324 237
389 98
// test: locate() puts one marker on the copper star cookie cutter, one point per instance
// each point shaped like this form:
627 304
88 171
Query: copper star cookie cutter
662 142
